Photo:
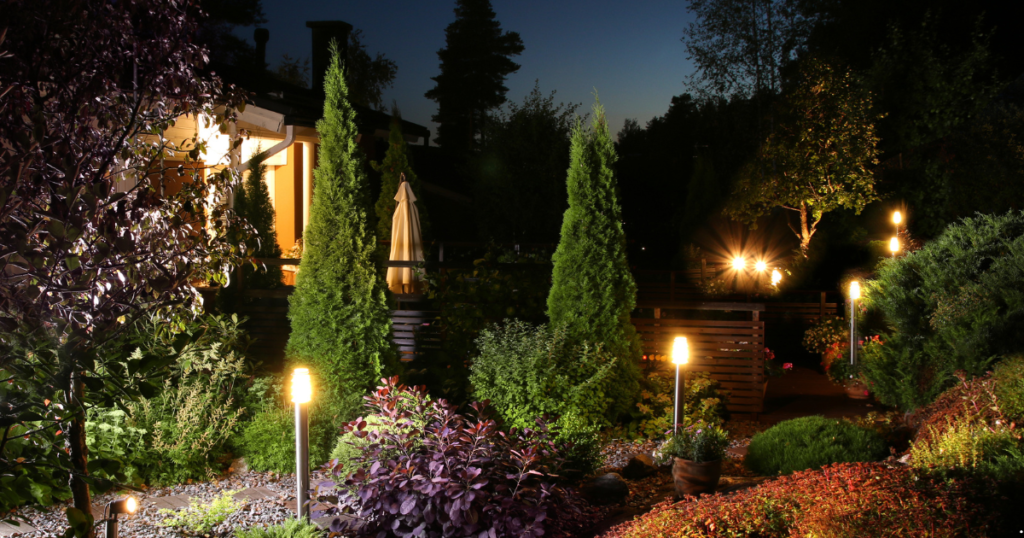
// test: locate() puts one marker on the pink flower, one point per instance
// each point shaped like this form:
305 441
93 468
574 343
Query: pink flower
787 366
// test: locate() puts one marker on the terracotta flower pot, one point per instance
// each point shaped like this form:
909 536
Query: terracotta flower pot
695 478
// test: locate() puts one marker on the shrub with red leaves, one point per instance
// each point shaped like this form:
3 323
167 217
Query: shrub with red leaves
844 499
970 401
431 472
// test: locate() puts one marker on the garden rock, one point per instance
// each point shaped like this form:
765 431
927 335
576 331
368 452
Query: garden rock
606 489
238 466
639 466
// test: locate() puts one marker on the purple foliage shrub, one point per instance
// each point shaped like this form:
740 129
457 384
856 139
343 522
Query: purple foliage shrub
429 471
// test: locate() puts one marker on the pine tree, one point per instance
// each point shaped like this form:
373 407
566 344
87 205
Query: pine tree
339 315
592 289
395 163
474 64
252 202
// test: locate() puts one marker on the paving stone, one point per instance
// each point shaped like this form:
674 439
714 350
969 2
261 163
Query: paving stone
255 494
7 529
737 451
170 502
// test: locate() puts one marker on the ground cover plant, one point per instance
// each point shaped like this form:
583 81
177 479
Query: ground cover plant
843 499
810 443
294 528
955 304
458 475
200 518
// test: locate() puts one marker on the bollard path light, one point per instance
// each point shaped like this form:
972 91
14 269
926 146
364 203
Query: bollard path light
894 245
127 505
761 266
680 356
854 295
739 263
302 393
776 277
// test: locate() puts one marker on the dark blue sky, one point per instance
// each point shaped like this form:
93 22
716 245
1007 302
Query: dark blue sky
629 51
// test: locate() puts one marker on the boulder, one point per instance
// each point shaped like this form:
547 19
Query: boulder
639 466
238 466
606 489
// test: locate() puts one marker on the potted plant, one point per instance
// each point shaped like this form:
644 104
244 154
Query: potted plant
697 451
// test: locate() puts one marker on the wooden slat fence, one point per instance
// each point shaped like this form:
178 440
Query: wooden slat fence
414 331
732 352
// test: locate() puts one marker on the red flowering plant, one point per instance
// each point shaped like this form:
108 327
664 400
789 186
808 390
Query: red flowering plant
773 367
429 471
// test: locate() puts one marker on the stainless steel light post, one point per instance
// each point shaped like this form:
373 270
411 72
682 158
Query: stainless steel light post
680 356
302 393
854 295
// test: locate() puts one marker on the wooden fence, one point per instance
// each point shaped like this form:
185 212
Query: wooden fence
731 351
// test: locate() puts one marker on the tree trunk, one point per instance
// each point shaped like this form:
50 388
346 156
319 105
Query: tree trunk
78 450
805 231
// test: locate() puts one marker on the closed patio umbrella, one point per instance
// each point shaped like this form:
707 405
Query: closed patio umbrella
406 241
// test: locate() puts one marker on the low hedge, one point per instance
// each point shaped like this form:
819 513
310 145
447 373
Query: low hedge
810 443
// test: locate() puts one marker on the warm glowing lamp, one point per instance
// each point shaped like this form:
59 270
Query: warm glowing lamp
680 351
897 218
761 266
776 277
302 393
302 388
128 505
894 245
854 290
738 263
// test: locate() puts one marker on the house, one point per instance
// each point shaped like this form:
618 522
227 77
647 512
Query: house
280 118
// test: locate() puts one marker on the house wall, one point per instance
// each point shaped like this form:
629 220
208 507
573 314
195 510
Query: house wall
288 198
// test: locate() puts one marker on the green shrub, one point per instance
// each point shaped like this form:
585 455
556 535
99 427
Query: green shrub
109 436
200 518
529 371
956 304
268 441
1009 387
971 449
810 443
702 395
293 528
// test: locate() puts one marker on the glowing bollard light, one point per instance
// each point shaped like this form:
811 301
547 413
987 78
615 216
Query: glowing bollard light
302 393
897 218
761 266
894 245
680 356
739 263
854 295
128 505
776 277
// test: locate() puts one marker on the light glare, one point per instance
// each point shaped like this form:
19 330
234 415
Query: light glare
854 290
738 263
776 277
680 351
761 266
130 504
302 389
897 217
894 245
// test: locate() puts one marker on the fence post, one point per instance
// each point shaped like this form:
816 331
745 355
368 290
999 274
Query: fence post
821 307
440 252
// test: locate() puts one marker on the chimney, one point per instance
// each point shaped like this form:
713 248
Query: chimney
261 36
323 33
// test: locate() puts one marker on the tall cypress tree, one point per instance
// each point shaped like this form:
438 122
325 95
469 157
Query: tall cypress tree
339 316
253 203
474 63
592 289
395 163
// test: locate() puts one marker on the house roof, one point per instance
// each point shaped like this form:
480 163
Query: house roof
300 106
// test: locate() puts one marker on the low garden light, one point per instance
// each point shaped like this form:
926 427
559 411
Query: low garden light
127 505
776 277
894 245
738 263
897 218
761 266
680 356
302 393
854 295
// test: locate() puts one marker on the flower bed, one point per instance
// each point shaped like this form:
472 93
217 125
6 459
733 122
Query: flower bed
848 499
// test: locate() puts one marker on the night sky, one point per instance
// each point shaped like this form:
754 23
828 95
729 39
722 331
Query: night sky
631 54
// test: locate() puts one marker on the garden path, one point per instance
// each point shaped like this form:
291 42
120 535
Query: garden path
805 391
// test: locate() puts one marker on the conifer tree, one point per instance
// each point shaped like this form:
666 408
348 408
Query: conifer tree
395 163
592 289
252 202
339 316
